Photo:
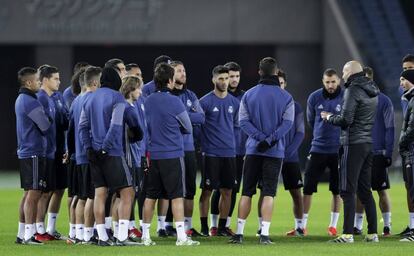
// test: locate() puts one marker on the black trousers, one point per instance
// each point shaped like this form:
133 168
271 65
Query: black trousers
355 178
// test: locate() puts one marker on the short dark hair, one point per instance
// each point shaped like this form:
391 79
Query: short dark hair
112 63
268 66
233 66
46 71
163 73
282 74
369 72
162 59
220 69
176 63
330 72
23 73
79 65
91 73
82 78
76 88
130 66
408 58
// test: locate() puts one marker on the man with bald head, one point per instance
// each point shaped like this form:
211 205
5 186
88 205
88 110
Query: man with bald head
356 121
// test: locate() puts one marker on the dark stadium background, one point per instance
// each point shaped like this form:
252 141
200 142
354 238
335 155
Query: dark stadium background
304 45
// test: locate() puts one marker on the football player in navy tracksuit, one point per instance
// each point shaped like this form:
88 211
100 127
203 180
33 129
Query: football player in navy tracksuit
219 148
101 131
32 124
292 177
84 229
266 115
49 77
240 140
196 114
324 146
131 90
167 121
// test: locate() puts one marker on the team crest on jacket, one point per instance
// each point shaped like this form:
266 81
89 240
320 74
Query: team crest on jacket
230 109
189 103
338 108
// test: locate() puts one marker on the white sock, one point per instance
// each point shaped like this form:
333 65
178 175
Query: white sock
123 230
79 231
298 223
181 235
33 229
72 230
188 222
305 220
359 220
103 236
51 222
387 219
334 219
265 228
411 220
214 220
260 222
161 222
28 231
108 222
131 224
115 226
228 222
240 226
87 234
40 228
21 230
146 230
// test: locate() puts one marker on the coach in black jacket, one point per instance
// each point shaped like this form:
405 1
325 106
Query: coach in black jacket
406 143
356 121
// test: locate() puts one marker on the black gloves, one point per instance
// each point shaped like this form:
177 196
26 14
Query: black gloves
388 161
95 155
263 146
91 155
404 151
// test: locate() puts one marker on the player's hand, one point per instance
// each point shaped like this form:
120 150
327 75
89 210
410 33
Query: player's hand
65 158
100 154
263 146
325 115
388 161
91 155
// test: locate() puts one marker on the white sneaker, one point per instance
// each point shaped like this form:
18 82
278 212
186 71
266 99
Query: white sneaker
371 238
343 239
408 239
147 242
188 242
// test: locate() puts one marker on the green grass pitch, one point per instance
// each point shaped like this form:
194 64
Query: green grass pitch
314 244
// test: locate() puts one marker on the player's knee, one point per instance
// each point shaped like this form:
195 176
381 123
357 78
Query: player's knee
225 192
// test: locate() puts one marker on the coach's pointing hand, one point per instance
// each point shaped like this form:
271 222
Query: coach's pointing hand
325 115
